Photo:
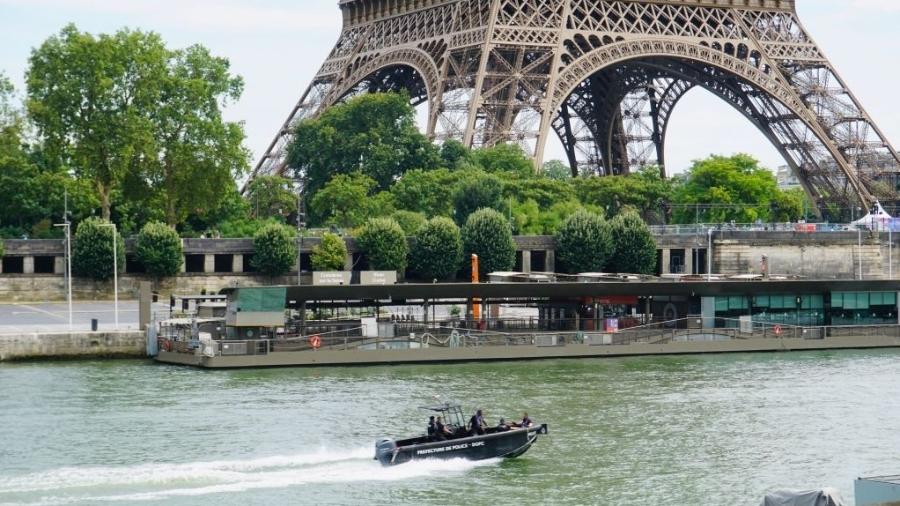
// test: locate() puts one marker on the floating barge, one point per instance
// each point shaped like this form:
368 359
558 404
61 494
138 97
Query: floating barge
269 327
878 491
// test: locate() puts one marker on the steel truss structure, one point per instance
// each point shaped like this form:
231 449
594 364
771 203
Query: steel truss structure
605 76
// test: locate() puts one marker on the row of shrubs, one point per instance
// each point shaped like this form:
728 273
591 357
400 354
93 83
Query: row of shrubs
586 242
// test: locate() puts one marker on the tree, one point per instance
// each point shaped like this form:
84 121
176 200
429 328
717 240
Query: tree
410 222
330 254
478 190
274 250
437 253
583 243
726 189
158 248
347 201
634 250
645 189
374 134
455 155
545 191
384 244
488 234
429 192
92 250
271 197
504 158
197 152
556 169
90 98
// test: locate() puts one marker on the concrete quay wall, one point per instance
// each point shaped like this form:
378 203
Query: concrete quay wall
72 345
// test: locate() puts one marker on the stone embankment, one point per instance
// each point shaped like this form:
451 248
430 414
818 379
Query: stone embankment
72 345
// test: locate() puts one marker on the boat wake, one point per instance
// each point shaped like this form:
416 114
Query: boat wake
155 482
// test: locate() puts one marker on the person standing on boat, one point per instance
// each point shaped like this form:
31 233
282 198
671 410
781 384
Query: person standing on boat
432 428
477 424
441 433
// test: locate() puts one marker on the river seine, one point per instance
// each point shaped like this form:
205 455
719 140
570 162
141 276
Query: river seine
712 430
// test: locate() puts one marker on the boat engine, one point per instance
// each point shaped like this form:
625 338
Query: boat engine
385 449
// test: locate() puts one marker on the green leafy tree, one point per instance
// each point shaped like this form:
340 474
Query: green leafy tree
240 228
330 254
347 201
384 244
438 250
274 250
634 250
374 134
197 152
504 158
429 192
410 222
557 170
92 250
271 197
488 234
726 189
158 248
90 97
478 190
788 205
455 155
583 243
545 191
645 190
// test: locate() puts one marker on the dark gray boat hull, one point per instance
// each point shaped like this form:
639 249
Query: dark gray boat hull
508 444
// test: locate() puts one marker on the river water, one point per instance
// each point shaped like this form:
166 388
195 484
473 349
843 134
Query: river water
711 430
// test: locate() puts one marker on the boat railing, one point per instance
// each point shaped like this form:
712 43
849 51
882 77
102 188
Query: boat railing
682 330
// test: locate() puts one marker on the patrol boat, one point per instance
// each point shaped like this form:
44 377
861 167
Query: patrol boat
494 443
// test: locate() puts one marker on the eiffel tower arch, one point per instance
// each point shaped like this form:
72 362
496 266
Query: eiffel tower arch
604 77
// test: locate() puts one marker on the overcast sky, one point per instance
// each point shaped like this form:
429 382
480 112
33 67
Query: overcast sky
277 46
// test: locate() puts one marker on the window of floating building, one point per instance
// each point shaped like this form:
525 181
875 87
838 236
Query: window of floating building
803 310
224 263
863 308
194 263
13 265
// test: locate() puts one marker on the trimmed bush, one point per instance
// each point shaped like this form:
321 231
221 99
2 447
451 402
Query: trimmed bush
634 250
488 234
384 244
92 250
274 250
438 250
158 248
583 243
330 254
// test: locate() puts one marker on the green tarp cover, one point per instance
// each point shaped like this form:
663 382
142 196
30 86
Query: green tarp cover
261 300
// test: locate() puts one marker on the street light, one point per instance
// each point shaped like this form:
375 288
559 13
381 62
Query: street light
68 227
115 271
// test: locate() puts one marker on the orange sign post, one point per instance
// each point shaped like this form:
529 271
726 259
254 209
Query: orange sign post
476 303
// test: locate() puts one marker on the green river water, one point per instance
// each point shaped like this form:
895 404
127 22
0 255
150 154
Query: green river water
710 430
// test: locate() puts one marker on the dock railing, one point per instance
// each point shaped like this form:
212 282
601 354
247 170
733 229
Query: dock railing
353 339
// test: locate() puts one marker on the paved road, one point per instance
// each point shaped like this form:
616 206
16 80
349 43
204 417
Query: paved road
53 317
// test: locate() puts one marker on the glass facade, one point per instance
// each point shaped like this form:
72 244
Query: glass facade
863 308
803 310
845 308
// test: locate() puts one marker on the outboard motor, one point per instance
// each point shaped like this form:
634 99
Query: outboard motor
385 450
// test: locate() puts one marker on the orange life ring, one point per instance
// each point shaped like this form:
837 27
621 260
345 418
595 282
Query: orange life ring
777 330
315 341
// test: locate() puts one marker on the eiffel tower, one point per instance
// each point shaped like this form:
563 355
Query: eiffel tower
604 76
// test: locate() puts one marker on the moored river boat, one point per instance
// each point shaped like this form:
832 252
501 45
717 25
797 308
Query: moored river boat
496 442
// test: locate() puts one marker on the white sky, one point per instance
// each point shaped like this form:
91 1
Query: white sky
277 46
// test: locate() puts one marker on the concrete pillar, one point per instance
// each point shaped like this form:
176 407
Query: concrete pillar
526 261
666 261
59 265
550 262
348 262
183 267
689 261
237 263
209 263
28 265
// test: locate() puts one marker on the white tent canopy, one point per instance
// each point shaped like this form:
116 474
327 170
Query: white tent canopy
877 219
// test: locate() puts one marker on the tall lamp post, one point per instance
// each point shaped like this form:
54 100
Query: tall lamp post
115 271
68 227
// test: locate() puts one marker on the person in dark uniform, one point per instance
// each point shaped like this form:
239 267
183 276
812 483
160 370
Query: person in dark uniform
441 432
432 429
477 424
502 427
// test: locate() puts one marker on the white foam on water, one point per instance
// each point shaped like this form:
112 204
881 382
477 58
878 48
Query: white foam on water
104 484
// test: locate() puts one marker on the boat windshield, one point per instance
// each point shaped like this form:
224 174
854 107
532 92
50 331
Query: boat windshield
451 413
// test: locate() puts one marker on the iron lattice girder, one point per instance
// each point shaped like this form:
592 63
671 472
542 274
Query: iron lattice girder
605 76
